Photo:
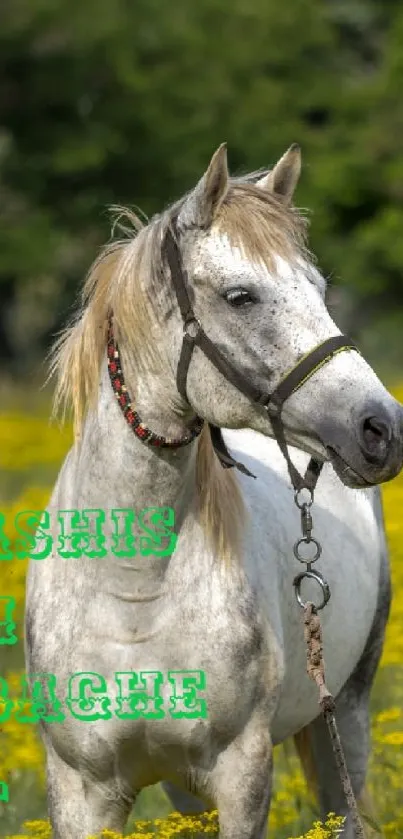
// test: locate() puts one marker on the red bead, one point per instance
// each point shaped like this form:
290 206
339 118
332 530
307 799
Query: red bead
132 417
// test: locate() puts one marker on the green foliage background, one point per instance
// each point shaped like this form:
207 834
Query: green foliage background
124 101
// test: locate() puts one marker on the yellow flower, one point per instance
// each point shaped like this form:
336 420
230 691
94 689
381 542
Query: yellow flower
395 738
389 715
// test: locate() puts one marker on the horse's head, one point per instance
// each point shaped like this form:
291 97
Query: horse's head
261 301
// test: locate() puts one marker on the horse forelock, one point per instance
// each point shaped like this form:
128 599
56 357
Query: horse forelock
261 225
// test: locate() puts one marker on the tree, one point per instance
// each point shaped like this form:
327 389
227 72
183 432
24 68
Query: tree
111 101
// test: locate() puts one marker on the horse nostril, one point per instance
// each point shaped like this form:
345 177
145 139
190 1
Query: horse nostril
373 427
375 435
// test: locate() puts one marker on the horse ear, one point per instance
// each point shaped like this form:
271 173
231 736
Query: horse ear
202 204
283 179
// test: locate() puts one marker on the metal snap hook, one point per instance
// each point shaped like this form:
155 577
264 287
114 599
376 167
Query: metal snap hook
312 575
307 541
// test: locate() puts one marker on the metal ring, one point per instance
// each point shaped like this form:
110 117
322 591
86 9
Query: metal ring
304 503
312 575
192 322
308 542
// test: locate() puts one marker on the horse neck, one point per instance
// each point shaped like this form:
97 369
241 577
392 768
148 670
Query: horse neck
117 470
110 468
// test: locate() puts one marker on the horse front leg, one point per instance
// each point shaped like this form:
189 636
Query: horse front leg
79 807
242 781
239 785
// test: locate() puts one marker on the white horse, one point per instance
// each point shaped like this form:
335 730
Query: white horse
224 602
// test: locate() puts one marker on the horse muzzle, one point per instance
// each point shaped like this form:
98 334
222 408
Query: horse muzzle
375 453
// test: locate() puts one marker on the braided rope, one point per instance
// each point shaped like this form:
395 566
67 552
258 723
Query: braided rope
316 671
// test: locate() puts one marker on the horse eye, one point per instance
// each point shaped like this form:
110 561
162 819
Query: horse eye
238 297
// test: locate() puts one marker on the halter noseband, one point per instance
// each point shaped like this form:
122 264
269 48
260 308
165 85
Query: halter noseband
194 335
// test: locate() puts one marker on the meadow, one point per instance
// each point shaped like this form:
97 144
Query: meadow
31 453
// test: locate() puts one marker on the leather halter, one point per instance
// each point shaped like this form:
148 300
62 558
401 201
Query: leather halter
194 335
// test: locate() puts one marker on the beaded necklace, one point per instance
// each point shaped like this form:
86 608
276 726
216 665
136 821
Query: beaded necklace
131 416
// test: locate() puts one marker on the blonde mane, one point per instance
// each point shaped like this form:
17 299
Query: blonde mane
128 279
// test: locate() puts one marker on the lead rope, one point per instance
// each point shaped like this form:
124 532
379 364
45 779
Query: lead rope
315 660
